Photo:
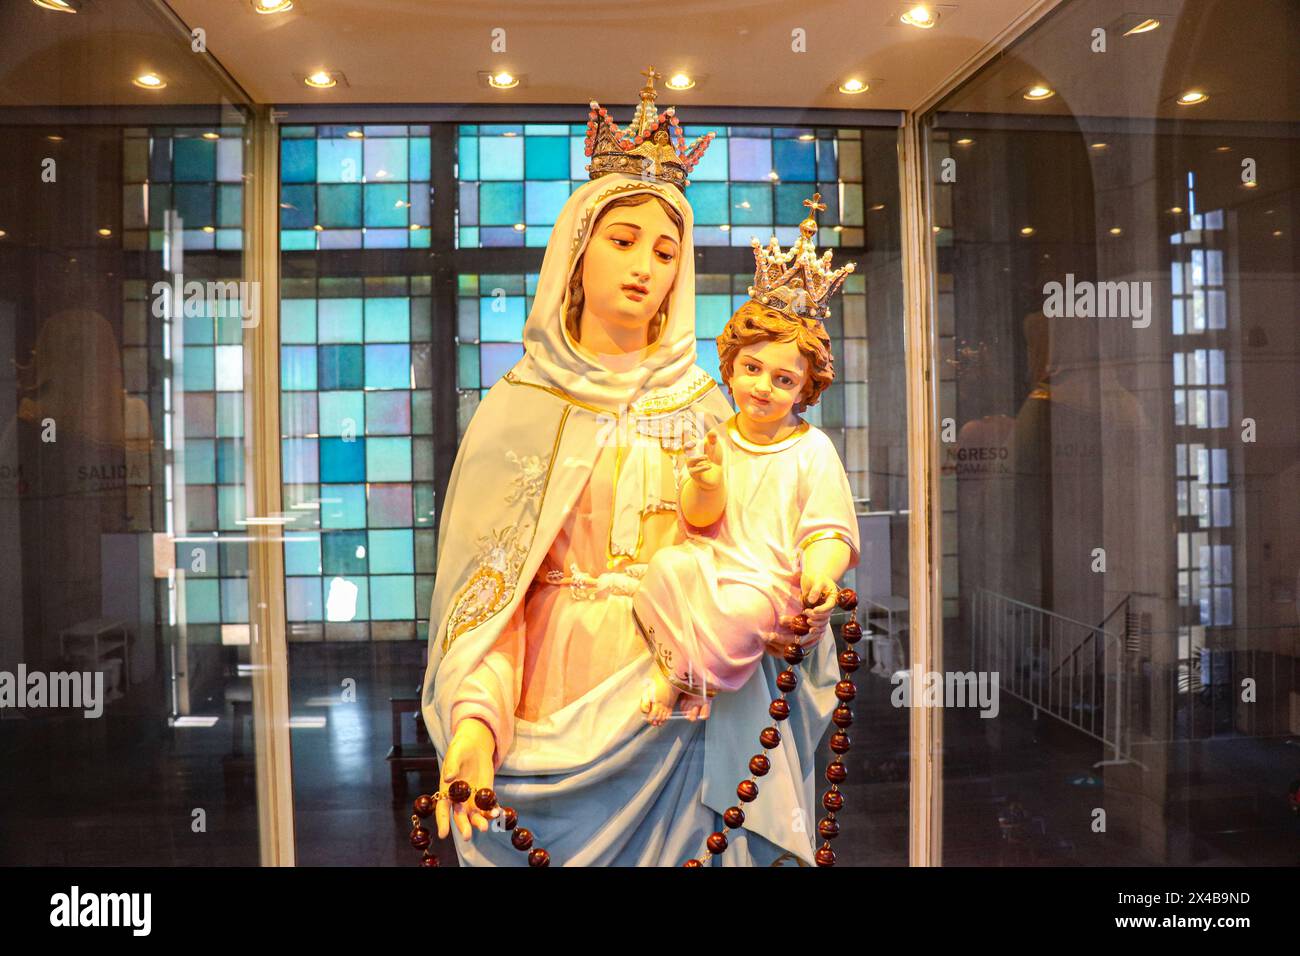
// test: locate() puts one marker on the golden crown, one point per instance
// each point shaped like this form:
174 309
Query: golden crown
654 146
796 282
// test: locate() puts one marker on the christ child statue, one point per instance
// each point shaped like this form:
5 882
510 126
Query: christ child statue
768 514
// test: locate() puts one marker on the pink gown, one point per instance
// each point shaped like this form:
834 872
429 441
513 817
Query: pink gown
708 607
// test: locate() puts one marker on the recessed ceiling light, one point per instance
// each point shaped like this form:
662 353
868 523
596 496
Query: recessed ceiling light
520 227
1192 97
320 80
854 85
936 229
1116 231
55 138
1277 233
679 82
104 232
1223 149
355 134
3 233
965 141
1249 184
503 81
1146 26
920 16
59 6
1039 92
1027 230
149 81
272 6
1099 146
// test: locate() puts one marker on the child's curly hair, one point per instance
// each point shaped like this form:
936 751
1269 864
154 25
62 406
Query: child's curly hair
758 323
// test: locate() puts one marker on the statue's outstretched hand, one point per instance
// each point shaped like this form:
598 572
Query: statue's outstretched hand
468 758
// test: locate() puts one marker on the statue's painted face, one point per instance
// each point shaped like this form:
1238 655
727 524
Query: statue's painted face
630 264
767 379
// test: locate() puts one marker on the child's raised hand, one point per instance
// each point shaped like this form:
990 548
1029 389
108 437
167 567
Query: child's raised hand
704 462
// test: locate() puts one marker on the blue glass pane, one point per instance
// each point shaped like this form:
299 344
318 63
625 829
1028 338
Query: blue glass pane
302 599
709 200
388 366
386 204
419 157
196 205
340 320
500 236
344 552
390 238
497 360
501 157
338 160
392 552
298 160
795 161
392 598
234 599
302 552
343 506
300 461
468 211
828 166
194 160
713 166
467 157
339 366
342 413
200 373
388 320
298 368
200 462
711 313
751 204
790 210
342 460
230 462
501 318
388 459
386 159
339 239
340 206
388 413
544 203
501 204
297 320
546 157
578 158
750 158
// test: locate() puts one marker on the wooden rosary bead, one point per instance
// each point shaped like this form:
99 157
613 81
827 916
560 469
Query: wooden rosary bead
692 863
759 765
787 681
539 857
828 828
522 838
459 791
779 709
833 801
770 737
429 859
842 716
825 856
423 805
717 842
847 599
509 818
420 838
849 661
799 624
851 632
485 800
794 654
840 742
747 790
845 690
734 817
836 772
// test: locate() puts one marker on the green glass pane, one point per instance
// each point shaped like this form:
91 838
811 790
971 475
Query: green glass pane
230 507
200 369
546 157
340 320
388 319
342 413
501 157
230 415
340 206
200 462
298 160
501 204
467 366
230 206
295 240
202 601
388 459
386 204
297 320
344 552
194 160
467 157
195 204
419 158
751 204
391 552
711 314
297 207
392 597
709 201
343 506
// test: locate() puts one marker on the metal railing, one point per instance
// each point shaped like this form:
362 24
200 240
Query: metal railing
1065 668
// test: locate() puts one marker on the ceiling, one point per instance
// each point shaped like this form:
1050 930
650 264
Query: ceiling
432 51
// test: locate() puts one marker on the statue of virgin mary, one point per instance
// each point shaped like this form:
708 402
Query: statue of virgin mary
563 488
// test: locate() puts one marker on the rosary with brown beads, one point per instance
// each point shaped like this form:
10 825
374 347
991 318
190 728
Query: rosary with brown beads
828 827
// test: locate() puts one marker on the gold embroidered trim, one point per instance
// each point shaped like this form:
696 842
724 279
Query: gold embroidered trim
697 392
827 536
663 657
501 556
733 430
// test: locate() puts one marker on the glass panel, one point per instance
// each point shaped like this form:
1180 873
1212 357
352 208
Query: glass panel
1115 286
123 457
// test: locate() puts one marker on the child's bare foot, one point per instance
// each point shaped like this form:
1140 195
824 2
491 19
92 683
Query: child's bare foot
658 698
695 708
